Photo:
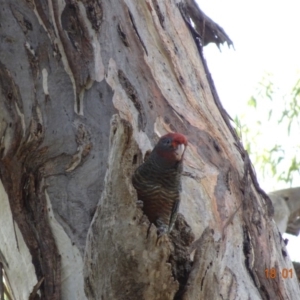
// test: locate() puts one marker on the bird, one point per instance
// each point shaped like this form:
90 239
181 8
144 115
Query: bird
158 182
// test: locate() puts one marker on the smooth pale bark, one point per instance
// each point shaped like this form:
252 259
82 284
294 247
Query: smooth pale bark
287 209
86 89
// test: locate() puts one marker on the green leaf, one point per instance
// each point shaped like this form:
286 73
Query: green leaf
252 102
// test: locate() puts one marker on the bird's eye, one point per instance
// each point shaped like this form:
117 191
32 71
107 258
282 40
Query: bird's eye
168 142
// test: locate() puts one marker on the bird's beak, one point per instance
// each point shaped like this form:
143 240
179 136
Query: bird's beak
179 151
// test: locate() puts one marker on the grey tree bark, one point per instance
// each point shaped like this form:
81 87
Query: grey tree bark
86 89
287 210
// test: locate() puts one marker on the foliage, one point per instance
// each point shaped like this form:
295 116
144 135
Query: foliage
269 130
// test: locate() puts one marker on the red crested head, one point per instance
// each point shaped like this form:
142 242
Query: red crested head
171 147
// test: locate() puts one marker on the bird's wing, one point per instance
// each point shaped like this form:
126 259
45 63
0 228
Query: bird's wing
174 214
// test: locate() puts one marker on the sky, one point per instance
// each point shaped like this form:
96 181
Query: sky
266 40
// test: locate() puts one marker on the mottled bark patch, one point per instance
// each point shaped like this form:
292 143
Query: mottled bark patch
133 96
24 183
94 13
181 238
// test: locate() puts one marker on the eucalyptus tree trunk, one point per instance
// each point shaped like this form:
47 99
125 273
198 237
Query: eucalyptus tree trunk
86 89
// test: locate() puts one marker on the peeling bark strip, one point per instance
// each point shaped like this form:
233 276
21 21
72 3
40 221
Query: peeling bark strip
20 173
12 99
159 13
249 253
136 31
35 289
206 28
133 96
83 140
122 35
181 238
75 41
205 269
